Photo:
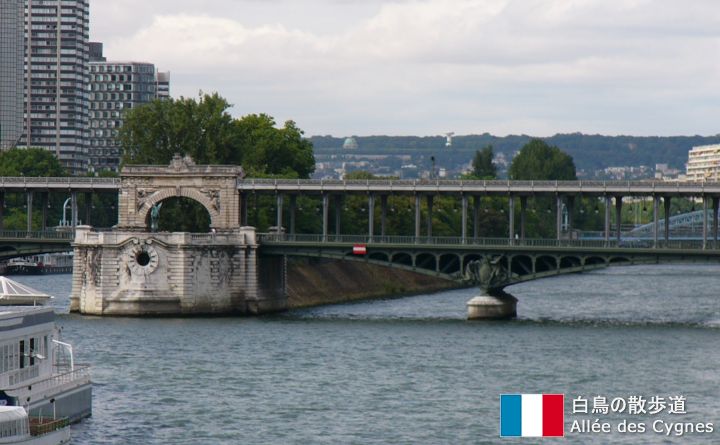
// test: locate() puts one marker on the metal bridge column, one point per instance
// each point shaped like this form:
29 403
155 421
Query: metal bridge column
371 216
383 215
464 218
558 216
338 214
279 211
45 198
293 205
476 216
417 217
618 216
570 209
523 210
29 195
511 218
667 201
73 209
716 201
705 224
429 218
2 210
325 209
656 220
607 219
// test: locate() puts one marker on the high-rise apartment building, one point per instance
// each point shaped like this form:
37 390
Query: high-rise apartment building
704 164
12 25
116 87
56 79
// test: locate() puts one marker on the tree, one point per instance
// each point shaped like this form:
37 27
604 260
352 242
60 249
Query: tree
154 132
267 150
539 161
483 165
203 129
30 162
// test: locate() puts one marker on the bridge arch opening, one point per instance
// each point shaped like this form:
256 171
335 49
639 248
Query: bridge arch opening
402 258
450 263
521 265
569 262
426 261
379 256
594 261
545 263
181 214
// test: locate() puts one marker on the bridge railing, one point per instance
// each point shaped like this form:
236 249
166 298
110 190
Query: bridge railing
69 180
652 185
37 235
312 239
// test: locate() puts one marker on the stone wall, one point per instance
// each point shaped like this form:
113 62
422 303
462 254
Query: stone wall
136 274
313 282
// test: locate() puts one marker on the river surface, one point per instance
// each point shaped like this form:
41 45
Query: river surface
405 371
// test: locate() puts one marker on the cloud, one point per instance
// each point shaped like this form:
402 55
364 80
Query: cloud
530 66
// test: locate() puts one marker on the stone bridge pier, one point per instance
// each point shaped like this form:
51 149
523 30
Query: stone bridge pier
132 271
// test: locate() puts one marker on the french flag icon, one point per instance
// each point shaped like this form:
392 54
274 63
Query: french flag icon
532 415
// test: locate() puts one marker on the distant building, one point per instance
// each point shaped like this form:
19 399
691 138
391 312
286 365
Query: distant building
12 52
56 80
114 88
350 144
703 164
96 52
162 85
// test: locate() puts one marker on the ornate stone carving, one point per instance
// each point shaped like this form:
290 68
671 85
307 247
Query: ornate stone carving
214 198
143 195
487 272
181 164
141 259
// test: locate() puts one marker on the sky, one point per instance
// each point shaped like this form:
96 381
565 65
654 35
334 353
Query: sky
427 67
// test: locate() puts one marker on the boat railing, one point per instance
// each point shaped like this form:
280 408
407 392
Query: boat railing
24 374
40 426
80 372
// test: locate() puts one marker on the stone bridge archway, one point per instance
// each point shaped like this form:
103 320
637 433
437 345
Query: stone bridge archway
213 186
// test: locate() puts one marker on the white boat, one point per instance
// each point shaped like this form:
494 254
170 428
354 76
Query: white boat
13 293
17 428
37 369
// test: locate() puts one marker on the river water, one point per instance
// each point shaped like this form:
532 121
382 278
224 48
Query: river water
409 370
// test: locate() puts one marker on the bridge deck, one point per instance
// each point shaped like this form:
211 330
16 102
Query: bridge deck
497 187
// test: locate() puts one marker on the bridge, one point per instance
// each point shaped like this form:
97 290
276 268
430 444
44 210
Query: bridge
132 252
511 261
331 193
15 244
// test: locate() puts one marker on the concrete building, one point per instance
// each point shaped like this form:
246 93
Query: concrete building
12 47
114 88
703 164
56 79
162 84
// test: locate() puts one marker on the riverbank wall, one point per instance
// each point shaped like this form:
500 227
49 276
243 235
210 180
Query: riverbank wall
313 282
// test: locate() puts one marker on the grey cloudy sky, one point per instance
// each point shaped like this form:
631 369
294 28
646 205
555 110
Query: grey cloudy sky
424 67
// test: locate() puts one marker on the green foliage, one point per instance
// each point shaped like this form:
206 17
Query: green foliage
183 215
483 165
30 162
203 129
266 149
539 161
